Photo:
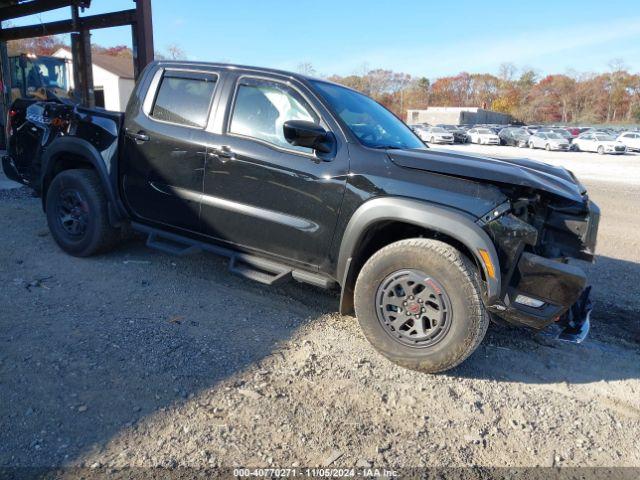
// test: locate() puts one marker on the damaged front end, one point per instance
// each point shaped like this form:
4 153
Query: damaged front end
535 235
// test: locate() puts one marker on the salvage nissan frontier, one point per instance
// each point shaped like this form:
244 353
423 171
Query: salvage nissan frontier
298 178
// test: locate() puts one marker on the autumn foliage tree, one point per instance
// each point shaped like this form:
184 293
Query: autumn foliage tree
573 97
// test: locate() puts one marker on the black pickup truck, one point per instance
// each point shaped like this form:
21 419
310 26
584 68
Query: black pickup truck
299 178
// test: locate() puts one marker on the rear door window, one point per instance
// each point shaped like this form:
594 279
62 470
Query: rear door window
184 98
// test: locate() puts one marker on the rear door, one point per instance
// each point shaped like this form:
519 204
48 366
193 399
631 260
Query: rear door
262 193
165 147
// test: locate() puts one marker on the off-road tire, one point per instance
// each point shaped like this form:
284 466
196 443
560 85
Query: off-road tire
99 236
459 278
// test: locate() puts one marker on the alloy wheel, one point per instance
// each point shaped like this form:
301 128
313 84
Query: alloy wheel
413 308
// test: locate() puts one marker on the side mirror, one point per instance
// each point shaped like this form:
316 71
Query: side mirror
308 134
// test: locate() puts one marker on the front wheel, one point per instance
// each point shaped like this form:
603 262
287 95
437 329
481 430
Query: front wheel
418 302
547 147
432 140
600 150
77 214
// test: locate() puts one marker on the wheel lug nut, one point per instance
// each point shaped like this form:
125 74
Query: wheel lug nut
411 297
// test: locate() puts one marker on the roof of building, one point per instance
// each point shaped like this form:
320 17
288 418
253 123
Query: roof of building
120 66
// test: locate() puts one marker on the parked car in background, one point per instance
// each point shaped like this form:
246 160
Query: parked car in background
563 132
631 140
459 134
599 142
515 136
548 141
483 136
574 131
419 129
437 135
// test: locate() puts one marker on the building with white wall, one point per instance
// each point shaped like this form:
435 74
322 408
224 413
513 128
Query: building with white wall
113 79
457 116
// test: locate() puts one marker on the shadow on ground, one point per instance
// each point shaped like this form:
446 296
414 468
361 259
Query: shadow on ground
106 341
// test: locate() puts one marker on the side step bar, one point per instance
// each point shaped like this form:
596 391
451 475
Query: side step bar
248 266
170 246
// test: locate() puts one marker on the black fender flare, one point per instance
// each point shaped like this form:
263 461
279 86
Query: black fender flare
438 218
90 154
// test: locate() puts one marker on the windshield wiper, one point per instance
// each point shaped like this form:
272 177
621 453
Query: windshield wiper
388 147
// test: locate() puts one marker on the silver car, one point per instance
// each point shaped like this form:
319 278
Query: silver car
436 135
548 141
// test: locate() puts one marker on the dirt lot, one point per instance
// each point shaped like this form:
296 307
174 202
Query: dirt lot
139 358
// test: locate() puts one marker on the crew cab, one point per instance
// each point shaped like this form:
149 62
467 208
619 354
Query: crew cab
295 178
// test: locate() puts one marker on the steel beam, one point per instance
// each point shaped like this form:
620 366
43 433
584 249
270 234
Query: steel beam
35 6
142 33
105 20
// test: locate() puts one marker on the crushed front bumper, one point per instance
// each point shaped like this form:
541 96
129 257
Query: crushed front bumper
541 292
573 326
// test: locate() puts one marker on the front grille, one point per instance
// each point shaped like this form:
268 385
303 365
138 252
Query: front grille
619 148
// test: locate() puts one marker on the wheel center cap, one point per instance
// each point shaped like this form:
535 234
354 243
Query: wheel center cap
413 308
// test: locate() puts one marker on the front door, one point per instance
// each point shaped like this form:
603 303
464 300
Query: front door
165 150
262 193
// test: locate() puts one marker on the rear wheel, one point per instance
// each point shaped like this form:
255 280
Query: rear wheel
418 302
77 214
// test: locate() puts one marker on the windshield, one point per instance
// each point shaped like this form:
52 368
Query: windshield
604 138
486 131
374 125
554 135
438 130
39 72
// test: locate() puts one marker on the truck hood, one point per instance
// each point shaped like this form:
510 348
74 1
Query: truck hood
513 171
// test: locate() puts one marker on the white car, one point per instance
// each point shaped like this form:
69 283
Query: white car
548 141
599 142
436 135
483 136
419 129
631 140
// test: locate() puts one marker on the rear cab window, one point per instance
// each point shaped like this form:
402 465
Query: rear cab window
184 98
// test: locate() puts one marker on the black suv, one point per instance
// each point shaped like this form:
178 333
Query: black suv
298 178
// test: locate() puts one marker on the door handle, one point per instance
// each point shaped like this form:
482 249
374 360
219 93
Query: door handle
224 153
138 137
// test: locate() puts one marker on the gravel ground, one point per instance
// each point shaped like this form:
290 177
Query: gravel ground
137 358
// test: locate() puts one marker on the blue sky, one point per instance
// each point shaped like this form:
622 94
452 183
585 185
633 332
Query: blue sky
420 37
